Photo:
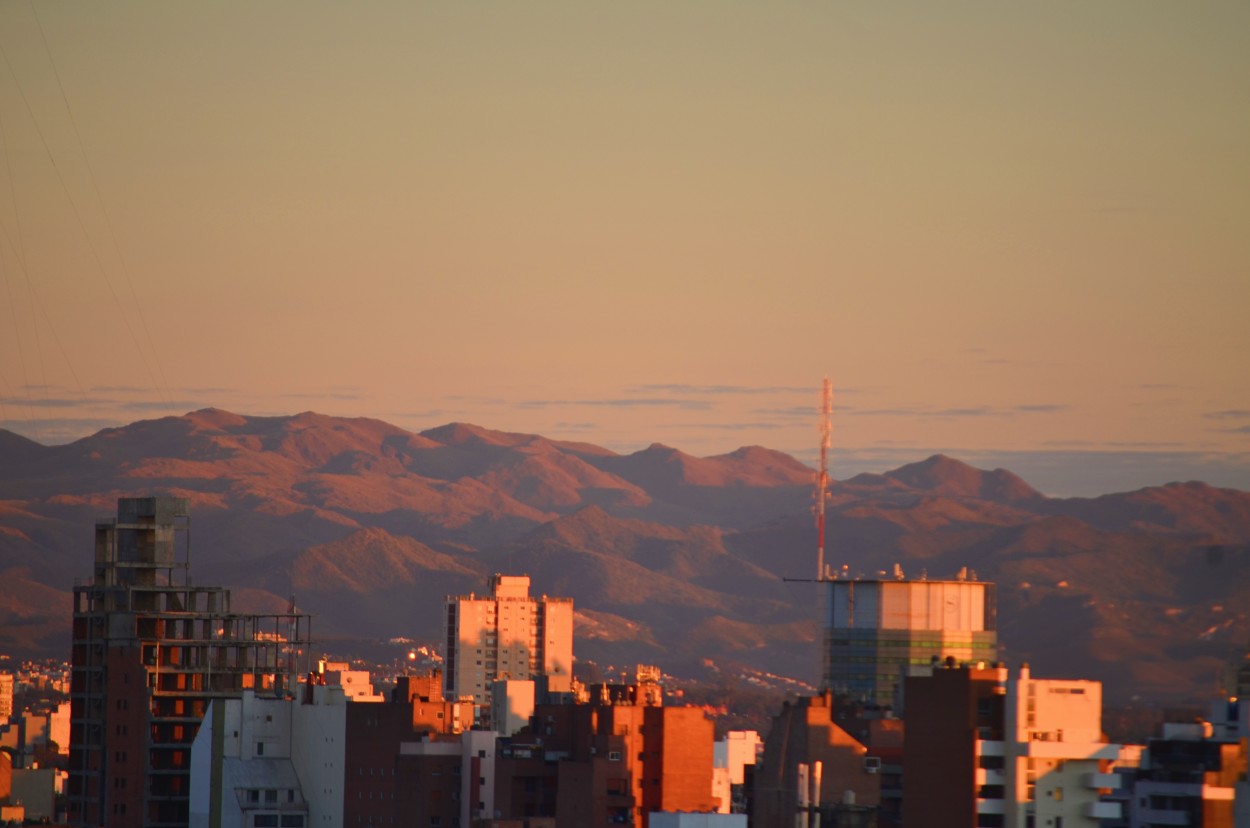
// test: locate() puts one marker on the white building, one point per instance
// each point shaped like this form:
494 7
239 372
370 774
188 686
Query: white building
506 635
730 756
270 763
1056 764
6 696
356 684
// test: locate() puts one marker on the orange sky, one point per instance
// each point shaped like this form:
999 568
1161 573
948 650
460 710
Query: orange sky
1017 235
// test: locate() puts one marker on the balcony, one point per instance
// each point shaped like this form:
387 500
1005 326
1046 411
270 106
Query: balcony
990 806
987 776
1069 750
1102 810
1096 781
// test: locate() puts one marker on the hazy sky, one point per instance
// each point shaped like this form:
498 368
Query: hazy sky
1016 233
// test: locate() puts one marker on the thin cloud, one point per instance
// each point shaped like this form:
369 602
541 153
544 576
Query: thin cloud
54 402
684 388
978 411
465 398
793 411
884 412
161 405
725 426
1229 414
332 395
120 389
627 402
960 412
1043 408
417 415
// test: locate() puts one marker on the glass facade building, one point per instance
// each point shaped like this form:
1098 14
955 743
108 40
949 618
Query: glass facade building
877 631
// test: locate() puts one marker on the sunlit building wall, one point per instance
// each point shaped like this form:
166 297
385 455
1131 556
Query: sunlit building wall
876 629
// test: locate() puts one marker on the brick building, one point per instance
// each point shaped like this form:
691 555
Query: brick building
612 761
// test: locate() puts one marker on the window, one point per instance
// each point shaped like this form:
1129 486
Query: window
271 797
292 821
260 748
265 821
614 756
253 796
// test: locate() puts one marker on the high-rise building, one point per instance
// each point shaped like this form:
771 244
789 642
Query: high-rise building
507 635
150 653
985 749
6 696
876 630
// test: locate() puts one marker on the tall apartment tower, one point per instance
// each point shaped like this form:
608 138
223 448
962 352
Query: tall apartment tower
6 696
878 630
150 652
507 635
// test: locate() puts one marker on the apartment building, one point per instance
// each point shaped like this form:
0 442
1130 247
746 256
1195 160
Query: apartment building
984 749
506 635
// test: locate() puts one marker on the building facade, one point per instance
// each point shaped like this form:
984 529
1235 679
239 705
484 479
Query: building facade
506 635
6 696
982 750
876 630
805 735
150 652
614 761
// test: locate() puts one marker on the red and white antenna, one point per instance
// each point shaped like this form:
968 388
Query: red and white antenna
822 476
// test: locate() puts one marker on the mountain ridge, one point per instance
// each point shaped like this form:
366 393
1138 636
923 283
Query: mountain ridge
670 558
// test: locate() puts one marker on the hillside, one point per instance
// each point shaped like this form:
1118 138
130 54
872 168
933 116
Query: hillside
669 558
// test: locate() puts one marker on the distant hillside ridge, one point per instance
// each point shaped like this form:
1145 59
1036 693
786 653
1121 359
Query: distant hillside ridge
670 558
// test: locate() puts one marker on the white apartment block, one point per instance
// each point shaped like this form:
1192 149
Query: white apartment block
1055 766
506 635
6 696
270 763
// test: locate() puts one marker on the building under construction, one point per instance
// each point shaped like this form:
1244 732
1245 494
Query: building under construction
150 652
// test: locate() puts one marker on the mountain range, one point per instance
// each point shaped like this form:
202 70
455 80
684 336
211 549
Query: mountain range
671 559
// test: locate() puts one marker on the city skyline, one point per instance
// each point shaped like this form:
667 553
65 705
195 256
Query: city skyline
1010 235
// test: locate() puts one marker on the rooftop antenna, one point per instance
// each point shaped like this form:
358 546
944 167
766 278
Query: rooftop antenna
822 476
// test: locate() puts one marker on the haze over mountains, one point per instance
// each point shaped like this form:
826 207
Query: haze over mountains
670 559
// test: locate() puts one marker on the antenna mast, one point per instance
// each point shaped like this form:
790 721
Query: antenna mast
822 476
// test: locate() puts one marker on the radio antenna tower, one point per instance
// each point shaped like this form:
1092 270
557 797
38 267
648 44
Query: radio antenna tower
822 476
